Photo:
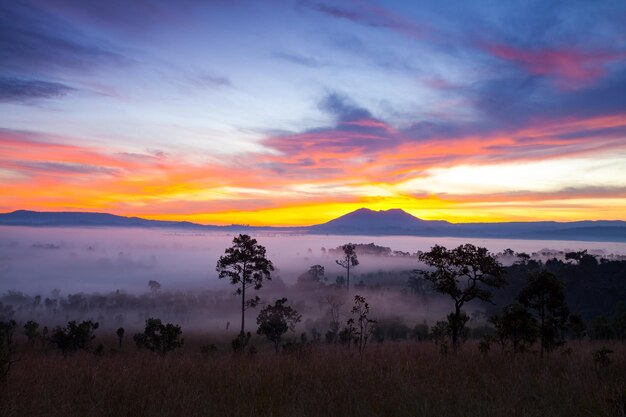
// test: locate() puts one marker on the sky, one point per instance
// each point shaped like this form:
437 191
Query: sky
295 112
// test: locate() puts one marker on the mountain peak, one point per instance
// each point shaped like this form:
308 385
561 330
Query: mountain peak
365 220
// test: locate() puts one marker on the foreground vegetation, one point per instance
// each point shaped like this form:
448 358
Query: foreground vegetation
391 379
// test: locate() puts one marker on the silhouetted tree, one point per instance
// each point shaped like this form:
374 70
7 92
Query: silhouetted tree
601 328
74 336
420 332
362 323
31 331
6 355
348 261
576 326
576 256
333 313
158 337
8 329
464 273
246 265
314 275
120 336
154 286
515 326
274 321
619 320
544 294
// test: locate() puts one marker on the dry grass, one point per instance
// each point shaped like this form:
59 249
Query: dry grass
404 379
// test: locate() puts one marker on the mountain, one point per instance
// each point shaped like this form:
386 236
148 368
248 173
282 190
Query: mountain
385 222
399 222
82 219
360 222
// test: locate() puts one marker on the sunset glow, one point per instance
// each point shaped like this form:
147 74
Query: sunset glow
294 113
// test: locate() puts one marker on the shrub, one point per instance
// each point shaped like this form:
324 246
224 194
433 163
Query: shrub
158 337
73 337
601 356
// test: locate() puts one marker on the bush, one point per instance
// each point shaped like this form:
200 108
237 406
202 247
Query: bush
601 356
158 337
208 350
391 328
73 337
420 332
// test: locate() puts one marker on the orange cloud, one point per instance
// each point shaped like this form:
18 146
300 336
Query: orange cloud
311 177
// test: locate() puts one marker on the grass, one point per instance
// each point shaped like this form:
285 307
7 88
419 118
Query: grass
392 379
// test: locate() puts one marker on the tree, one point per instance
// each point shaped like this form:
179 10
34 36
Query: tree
333 314
576 256
158 337
120 336
246 265
274 321
576 327
312 277
348 261
601 328
619 320
464 273
155 286
6 355
361 322
74 336
545 294
515 326
31 331
8 329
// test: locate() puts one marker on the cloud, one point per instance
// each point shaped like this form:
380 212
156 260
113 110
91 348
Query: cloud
371 16
299 59
571 68
343 108
27 90
67 168
36 42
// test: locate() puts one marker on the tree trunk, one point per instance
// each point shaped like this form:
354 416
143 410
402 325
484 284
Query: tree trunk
543 330
243 307
348 277
455 327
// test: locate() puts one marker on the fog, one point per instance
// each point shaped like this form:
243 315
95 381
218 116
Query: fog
119 263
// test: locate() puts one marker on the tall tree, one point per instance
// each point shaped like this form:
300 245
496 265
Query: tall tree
246 266
464 273
348 261
545 294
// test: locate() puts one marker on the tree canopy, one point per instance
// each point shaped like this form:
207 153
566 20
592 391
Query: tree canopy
464 273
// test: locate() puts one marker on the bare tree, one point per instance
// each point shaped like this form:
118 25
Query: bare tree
362 322
348 261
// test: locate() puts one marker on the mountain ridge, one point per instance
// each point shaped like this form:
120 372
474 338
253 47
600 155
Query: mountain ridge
363 221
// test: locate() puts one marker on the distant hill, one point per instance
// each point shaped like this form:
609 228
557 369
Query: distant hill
385 222
399 222
82 219
360 222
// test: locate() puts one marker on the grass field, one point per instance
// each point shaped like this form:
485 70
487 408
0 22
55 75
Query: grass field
392 379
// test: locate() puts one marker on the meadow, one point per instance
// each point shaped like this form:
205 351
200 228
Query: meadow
391 379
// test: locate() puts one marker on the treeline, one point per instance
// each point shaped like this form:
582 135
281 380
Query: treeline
527 305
